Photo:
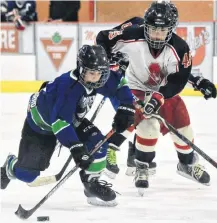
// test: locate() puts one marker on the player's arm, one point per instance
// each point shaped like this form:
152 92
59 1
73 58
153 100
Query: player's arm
134 21
62 127
177 81
116 39
117 88
205 86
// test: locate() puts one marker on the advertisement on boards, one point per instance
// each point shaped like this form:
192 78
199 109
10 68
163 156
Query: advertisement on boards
89 31
56 49
200 40
9 38
14 41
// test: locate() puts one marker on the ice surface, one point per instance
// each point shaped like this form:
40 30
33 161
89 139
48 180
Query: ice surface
170 198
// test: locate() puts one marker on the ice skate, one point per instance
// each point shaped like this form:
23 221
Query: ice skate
112 168
194 171
131 166
141 176
6 171
98 192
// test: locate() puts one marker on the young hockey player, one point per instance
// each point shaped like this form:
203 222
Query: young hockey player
58 111
199 83
160 66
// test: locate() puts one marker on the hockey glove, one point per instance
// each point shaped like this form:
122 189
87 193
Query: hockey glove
80 155
154 104
206 87
124 117
121 60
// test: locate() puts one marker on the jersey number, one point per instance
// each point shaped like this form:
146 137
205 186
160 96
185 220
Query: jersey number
186 62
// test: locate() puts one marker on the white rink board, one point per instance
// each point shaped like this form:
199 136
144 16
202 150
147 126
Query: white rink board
170 198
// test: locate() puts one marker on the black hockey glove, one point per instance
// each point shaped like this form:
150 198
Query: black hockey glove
206 87
154 104
121 60
124 117
80 155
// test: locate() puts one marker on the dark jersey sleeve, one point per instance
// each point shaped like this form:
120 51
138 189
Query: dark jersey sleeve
132 22
177 81
193 79
62 116
117 88
108 38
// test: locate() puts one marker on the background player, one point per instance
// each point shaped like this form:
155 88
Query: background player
160 66
200 83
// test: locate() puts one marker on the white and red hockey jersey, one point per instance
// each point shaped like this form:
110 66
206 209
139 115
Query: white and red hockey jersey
166 71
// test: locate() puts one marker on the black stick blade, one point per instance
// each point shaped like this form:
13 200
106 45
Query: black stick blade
22 213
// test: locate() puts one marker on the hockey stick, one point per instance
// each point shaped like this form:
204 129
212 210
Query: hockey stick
41 181
140 103
184 139
98 109
25 214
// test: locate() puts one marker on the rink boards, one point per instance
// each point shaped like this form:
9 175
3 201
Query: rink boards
32 86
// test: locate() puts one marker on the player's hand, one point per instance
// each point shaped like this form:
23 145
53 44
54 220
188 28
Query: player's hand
13 16
124 117
80 155
206 87
121 60
154 104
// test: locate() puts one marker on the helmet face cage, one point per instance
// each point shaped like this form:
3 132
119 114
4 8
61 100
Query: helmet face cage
159 22
165 33
105 73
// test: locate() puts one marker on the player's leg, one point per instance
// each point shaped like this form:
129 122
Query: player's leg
147 133
98 192
175 112
35 151
115 142
131 166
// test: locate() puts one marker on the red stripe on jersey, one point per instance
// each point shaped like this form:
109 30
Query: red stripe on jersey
146 142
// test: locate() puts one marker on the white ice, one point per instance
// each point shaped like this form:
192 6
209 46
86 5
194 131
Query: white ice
170 198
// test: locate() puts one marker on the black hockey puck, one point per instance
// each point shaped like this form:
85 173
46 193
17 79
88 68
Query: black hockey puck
43 218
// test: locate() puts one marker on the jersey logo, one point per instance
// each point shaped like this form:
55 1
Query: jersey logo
113 34
126 25
155 75
187 59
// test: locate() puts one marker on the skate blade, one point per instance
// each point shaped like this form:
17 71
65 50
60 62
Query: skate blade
97 202
130 171
191 178
109 174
